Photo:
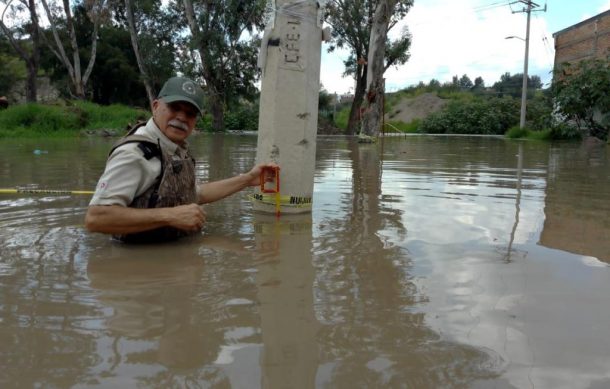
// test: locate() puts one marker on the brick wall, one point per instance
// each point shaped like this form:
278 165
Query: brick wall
585 40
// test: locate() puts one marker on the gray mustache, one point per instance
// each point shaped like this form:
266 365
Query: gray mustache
178 124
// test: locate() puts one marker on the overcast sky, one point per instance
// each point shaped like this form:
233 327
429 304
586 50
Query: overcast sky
452 37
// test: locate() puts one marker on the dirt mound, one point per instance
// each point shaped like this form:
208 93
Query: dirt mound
418 107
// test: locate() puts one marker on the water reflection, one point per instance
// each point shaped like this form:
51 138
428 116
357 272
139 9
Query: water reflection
517 203
576 205
373 334
285 281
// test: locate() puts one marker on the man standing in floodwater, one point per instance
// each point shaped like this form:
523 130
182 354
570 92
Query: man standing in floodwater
148 191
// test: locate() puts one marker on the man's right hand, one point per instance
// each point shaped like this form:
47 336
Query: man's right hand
189 217
116 219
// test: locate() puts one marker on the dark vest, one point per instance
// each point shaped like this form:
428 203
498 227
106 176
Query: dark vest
176 185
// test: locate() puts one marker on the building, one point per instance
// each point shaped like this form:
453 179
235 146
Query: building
588 39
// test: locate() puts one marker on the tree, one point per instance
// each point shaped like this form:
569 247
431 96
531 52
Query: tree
227 61
582 94
465 82
153 37
373 105
512 85
479 84
97 12
351 22
13 69
434 84
115 78
136 49
29 53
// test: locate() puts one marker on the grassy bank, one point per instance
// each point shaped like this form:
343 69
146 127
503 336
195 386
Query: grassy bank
556 132
37 120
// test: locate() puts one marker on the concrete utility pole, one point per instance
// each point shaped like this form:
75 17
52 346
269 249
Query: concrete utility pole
288 117
529 9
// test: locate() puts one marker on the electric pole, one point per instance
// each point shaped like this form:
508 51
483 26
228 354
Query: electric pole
530 7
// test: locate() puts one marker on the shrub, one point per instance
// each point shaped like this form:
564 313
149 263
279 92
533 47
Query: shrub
342 117
582 93
557 132
564 131
539 113
38 118
410 127
516 132
474 116
242 118
115 116
35 119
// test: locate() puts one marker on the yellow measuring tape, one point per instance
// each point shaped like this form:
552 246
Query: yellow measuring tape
281 200
46 191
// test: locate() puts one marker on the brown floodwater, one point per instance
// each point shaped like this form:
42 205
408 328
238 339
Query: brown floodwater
427 262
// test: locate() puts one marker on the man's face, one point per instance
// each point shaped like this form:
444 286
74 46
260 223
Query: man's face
176 120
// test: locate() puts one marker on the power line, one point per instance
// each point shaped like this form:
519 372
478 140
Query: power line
491 5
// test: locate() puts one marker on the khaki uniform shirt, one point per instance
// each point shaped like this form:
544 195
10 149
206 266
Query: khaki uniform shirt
128 174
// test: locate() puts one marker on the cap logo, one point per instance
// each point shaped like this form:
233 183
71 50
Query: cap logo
189 87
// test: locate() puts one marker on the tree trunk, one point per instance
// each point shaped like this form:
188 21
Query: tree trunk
31 89
79 88
32 59
373 104
136 49
215 96
353 125
217 110
79 81
33 62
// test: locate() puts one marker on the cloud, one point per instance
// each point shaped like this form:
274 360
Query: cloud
456 38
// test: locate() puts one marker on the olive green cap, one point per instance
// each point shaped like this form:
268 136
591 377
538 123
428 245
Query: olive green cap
182 89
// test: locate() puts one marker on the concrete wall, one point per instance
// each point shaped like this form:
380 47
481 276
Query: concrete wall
46 92
586 40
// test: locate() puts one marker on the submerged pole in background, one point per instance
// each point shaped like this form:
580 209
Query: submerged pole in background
288 117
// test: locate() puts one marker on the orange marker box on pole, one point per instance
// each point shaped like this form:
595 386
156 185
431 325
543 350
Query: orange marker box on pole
271 175
270 179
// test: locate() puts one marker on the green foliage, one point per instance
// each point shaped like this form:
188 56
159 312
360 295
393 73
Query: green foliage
557 132
513 85
40 119
351 28
409 128
539 112
43 120
582 93
564 131
475 116
351 23
115 77
242 118
229 61
115 116
205 123
516 132
342 117
324 100
13 69
465 82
